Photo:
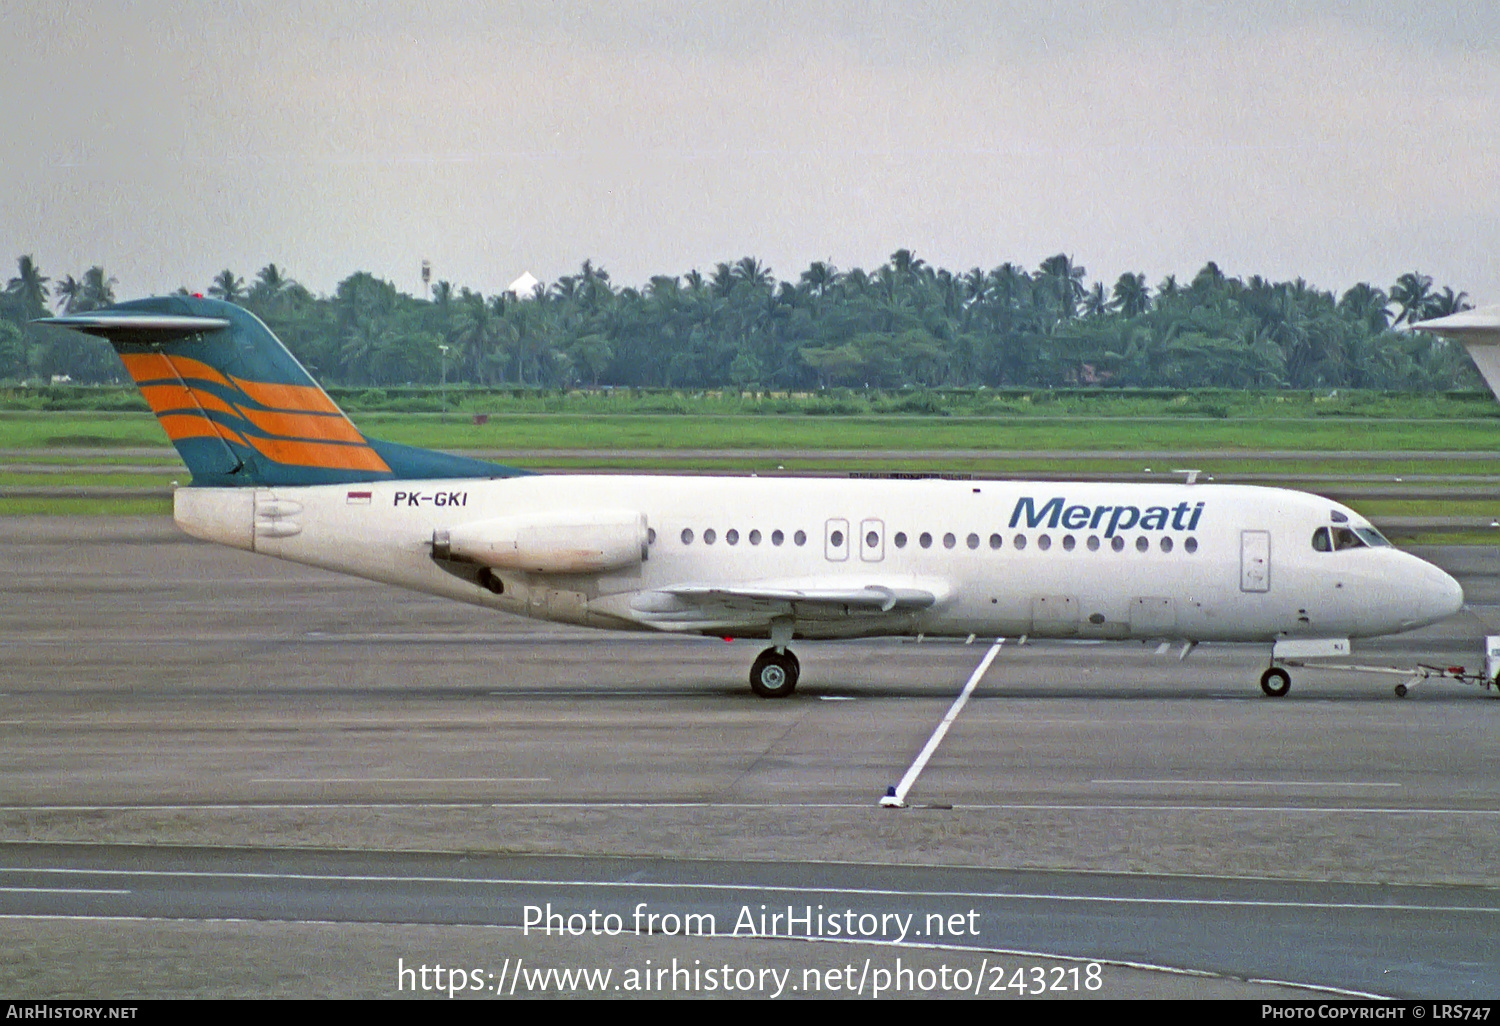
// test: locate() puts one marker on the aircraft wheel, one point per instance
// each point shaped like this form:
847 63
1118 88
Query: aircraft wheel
774 674
1400 690
1275 682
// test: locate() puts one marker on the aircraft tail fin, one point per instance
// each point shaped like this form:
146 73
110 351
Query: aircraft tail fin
239 407
1479 331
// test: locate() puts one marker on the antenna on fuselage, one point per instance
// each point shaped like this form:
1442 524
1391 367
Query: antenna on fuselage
1192 475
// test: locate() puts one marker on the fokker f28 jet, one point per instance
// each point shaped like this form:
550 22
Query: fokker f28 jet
278 469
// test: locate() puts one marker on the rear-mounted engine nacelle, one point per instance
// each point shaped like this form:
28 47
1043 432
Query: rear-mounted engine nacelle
569 543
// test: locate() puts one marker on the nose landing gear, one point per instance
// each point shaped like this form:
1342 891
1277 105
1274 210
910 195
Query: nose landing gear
1275 682
775 674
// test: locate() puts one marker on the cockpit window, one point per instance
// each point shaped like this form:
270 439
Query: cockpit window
1343 538
1329 539
1338 518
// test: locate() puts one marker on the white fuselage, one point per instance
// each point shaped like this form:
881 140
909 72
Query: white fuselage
1002 558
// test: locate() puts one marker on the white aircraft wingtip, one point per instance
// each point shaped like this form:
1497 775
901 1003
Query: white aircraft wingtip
1479 332
1466 322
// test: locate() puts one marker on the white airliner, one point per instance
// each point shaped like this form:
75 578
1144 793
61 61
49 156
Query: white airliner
278 469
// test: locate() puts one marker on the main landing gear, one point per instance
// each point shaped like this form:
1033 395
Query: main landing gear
775 674
1276 682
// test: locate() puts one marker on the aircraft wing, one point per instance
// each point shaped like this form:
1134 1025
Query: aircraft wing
688 607
1479 331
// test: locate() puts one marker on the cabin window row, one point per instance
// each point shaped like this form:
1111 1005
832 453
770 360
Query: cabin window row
732 537
1043 542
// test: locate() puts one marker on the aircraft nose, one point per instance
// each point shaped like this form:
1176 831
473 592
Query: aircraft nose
1440 596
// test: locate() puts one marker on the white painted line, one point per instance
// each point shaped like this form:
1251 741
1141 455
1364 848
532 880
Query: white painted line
882 892
1322 810
336 806
1248 783
58 890
1009 952
897 798
401 780
1124 964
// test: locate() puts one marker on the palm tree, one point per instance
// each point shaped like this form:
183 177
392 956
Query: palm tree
1063 282
98 291
29 290
906 264
1131 297
819 278
1441 304
1208 282
1411 293
228 287
270 284
594 289
752 272
722 282
69 293
1096 302
30 287
1008 285
1367 307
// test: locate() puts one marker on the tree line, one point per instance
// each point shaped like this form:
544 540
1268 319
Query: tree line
905 324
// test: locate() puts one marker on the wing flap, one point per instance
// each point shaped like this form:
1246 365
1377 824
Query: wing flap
870 597
756 604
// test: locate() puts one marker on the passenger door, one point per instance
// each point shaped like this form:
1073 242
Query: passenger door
1255 561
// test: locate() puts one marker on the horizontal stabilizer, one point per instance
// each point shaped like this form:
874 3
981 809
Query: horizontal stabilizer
1479 331
137 328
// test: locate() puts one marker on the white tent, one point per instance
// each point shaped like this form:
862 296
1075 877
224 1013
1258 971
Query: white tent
524 286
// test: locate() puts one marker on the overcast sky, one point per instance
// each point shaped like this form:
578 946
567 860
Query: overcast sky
1334 141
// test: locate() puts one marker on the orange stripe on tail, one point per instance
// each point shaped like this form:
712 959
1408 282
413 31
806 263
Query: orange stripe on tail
175 397
187 367
148 367
167 397
305 425
196 425
323 455
300 398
